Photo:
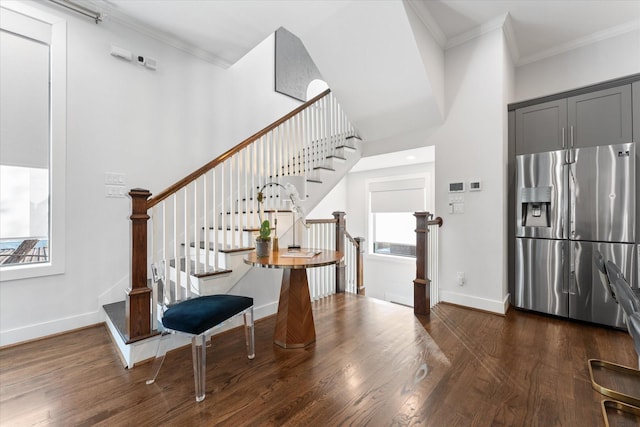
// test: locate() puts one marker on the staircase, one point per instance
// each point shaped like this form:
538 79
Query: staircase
203 225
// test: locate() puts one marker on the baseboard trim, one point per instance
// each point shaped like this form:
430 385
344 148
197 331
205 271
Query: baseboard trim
469 301
47 329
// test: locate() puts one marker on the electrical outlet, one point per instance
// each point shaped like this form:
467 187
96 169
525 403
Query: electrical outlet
460 278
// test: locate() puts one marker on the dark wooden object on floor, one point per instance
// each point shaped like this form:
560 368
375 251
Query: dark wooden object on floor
374 363
138 308
422 283
294 319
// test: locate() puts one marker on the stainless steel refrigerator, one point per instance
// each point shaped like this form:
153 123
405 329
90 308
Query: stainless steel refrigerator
572 206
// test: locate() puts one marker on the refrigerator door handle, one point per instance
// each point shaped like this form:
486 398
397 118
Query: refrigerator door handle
563 139
572 270
572 201
573 283
565 289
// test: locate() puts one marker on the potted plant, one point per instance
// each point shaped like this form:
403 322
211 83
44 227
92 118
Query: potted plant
263 241
264 237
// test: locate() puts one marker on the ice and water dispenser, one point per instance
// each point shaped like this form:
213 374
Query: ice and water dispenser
536 206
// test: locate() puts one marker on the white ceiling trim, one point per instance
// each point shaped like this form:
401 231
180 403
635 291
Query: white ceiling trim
429 22
487 27
510 37
110 13
583 41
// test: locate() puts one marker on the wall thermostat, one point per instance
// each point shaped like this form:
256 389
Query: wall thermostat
456 187
475 186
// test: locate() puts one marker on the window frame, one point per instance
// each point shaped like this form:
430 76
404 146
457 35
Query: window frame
402 259
57 159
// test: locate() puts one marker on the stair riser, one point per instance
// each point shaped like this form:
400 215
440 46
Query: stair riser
222 259
246 238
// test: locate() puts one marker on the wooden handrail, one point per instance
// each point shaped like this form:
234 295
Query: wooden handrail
220 159
356 242
320 221
438 221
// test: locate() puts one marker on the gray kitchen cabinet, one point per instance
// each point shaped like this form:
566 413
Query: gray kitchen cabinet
541 127
601 117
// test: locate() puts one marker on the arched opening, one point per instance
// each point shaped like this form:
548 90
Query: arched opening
316 87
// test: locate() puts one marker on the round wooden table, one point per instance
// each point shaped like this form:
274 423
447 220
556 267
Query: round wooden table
294 319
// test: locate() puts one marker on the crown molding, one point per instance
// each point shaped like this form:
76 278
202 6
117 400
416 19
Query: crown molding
582 41
110 13
510 37
429 22
478 31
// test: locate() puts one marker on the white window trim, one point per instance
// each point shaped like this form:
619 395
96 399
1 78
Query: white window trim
58 114
428 200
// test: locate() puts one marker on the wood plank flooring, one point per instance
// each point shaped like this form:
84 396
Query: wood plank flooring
374 363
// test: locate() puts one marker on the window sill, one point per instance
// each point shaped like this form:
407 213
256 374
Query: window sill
27 271
391 258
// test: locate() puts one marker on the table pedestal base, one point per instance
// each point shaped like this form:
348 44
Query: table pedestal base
294 320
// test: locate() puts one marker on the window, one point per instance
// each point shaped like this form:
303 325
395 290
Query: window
394 234
32 142
392 224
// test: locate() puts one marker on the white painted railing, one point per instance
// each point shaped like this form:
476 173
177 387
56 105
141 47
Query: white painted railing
432 263
214 210
323 234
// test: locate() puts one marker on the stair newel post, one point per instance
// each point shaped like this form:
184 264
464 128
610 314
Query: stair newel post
340 245
421 284
138 302
360 265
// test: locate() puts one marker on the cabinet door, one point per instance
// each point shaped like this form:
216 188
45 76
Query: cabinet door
600 118
541 127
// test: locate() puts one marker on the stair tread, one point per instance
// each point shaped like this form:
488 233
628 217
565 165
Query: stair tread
232 250
235 228
226 249
333 156
327 168
192 264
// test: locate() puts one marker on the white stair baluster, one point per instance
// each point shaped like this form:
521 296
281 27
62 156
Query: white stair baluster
185 236
206 222
215 219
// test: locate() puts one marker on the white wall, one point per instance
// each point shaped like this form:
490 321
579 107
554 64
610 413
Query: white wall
386 278
335 200
471 145
251 102
605 60
153 126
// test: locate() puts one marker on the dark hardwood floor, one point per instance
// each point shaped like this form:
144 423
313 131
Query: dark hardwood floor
374 363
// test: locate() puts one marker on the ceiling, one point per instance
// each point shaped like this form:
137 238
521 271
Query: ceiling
224 31
366 50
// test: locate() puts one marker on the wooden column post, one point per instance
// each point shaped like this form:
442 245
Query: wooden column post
138 302
341 282
360 266
421 284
